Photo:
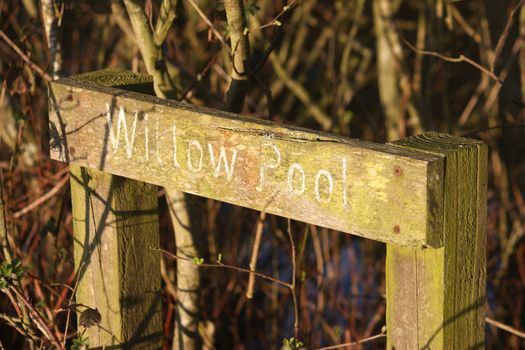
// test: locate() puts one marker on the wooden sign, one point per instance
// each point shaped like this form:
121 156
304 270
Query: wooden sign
376 191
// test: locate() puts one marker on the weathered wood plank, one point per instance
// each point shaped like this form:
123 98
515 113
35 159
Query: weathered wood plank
376 191
435 297
115 223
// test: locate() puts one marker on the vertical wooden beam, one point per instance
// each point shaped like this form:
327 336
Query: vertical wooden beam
115 223
435 296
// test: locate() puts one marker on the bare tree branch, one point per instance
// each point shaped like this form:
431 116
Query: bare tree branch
460 58
167 14
24 57
503 37
505 327
151 53
301 93
355 343
210 25
240 48
50 26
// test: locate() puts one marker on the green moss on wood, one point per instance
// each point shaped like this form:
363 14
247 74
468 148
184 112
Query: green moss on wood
392 195
115 223
123 79
113 77
435 297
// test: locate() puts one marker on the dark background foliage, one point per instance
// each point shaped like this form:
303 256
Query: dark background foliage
470 80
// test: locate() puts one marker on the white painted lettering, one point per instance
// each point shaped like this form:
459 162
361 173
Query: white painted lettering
174 142
146 137
273 165
197 145
291 170
345 198
157 141
121 122
328 176
222 159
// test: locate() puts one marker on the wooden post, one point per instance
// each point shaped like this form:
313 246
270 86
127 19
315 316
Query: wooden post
115 224
436 296
424 196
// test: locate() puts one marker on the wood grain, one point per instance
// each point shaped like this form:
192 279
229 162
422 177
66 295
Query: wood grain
376 191
435 297
115 223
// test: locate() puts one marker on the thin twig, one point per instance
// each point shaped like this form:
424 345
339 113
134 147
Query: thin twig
294 272
473 102
268 51
15 304
200 75
467 28
210 25
18 325
289 286
267 93
509 126
8 257
292 248
503 37
68 316
503 74
37 318
358 342
231 267
170 288
460 58
505 327
42 199
24 57
4 241
275 21
301 93
276 39
255 254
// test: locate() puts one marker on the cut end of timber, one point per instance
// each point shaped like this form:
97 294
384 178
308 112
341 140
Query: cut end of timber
443 145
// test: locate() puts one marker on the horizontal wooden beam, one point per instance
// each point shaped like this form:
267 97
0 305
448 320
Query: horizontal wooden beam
376 191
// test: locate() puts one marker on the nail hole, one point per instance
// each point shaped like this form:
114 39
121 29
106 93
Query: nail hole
398 171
